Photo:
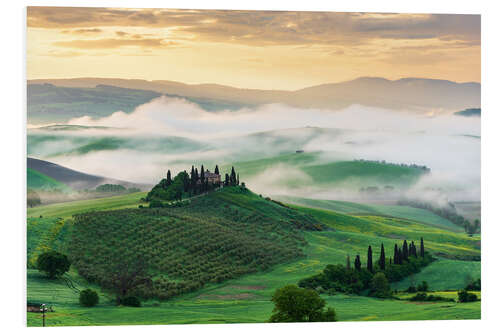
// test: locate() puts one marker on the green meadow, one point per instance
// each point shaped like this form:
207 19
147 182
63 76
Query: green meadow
246 299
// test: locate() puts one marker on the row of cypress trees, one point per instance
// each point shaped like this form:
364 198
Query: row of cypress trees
401 254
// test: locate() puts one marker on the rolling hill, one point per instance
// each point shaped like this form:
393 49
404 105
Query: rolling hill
37 180
46 172
231 213
416 94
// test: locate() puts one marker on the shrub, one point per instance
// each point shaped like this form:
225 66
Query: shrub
53 263
423 297
131 301
88 297
464 296
380 286
424 286
411 289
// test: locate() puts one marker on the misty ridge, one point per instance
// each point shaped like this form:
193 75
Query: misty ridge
175 133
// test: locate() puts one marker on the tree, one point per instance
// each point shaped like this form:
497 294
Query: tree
348 263
53 263
405 250
381 261
202 174
357 263
33 198
88 297
396 254
226 180
216 171
232 177
422 250
123 274
169 178
238 179
294 304
380 285
369 261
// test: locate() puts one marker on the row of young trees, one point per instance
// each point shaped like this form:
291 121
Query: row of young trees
400 256
194 183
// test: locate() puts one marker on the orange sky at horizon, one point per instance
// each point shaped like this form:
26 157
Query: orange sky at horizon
250 49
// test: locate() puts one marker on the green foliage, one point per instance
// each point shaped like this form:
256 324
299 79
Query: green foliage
37 180
294 304
132 301
88 298
111 188
380 286
423 297
217 237
53 263
423 286
474 285
464 296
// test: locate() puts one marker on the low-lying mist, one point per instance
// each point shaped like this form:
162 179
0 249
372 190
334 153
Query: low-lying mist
448 144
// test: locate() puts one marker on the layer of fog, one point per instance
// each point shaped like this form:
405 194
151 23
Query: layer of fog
447 144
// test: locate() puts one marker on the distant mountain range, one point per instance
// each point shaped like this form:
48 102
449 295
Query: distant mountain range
476 112
414 94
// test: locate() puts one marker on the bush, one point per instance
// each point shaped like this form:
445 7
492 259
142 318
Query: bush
424 286
411 289
53 263
423 297
464 296
155 204
380 286
88 297
131 301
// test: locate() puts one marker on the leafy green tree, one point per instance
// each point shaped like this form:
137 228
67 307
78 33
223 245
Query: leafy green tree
464 296
88 297
294 304
53 263
369 261
380 285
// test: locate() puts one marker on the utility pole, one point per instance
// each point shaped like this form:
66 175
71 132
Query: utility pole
43 315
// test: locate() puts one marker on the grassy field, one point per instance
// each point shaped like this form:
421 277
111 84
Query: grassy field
320 172
37 180
351 208
247 298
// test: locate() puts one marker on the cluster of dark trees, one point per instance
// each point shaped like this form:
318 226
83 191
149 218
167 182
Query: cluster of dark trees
448 212
406 260
412 165
474 285
187 185
115 188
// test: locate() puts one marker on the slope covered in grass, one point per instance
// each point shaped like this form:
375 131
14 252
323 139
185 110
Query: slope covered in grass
37 180
352 208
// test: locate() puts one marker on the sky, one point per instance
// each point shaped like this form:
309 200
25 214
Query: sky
250 49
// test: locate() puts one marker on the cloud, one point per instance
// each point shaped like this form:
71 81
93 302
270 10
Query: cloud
82 31
110 43
267 27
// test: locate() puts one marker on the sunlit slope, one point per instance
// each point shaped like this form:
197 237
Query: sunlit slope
247 298
315 170
37 180
352 208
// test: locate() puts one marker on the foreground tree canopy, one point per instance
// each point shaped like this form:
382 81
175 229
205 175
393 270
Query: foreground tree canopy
294 304
53 263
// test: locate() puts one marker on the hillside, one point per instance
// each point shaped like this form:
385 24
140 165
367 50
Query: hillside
70 178
408 93
235 219
474 112
37 180
311 169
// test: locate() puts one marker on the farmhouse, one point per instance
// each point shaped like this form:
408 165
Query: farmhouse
212 178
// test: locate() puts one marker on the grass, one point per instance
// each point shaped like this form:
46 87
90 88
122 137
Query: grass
68 209
37 180
247 299
351 208
444 274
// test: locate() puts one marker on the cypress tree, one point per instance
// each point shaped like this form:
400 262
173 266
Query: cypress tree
202 174
232 177
369 262
169 178
226 180
414 249
216 171
348 263
238 179
390 261
405 250
193 178
357 263
422 251
396 252
381 261
400 256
